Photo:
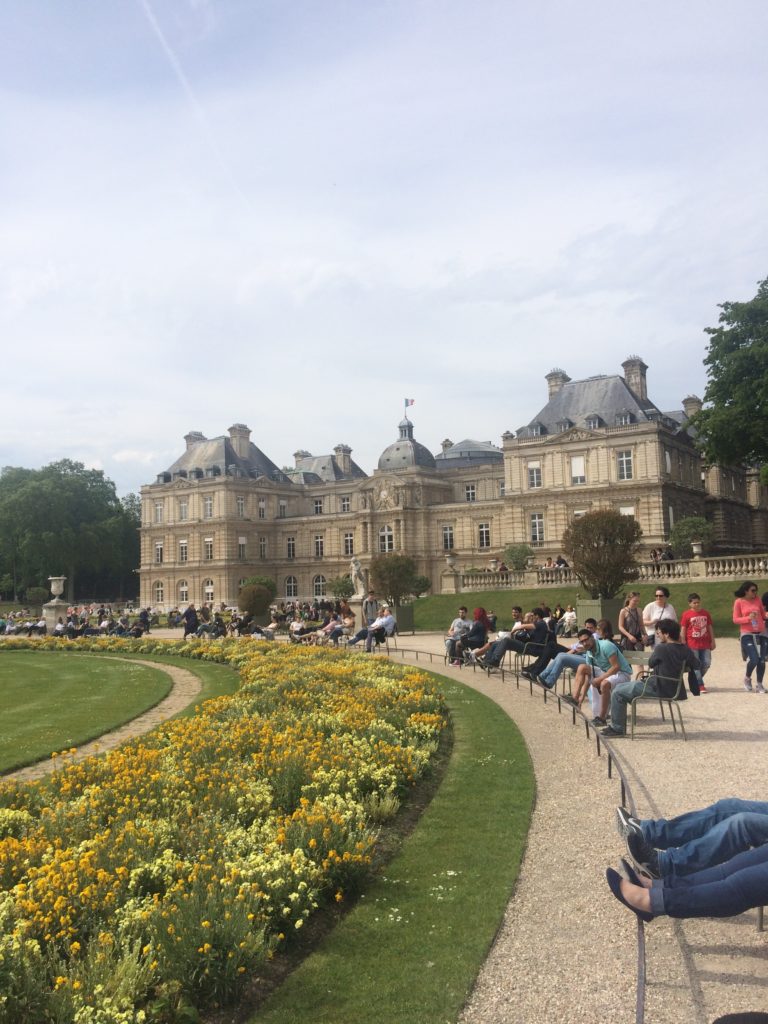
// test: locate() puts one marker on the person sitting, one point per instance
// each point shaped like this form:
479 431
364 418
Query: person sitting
476 639
326 631
605 667
459 628
377 631
566 658
667 662
531 638
567 622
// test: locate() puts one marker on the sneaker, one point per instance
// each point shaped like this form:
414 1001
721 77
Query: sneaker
759 688
626 823
470 656
480 660
702 688
643 854
597 720
456 663
611 734
747 684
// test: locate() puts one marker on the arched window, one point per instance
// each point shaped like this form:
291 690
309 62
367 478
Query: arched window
318 586
386 540
158 592
292 586
208 590
183 589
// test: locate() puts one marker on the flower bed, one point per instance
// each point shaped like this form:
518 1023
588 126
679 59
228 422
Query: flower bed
161 875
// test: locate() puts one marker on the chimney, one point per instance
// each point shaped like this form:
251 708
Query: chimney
240 436
555 380
447 443
691 405
194 437
343 455
301 454
634 374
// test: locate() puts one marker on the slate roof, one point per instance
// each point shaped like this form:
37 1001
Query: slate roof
468 453
217 457
315 469
406 452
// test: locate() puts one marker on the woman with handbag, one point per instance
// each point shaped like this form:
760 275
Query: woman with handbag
631 624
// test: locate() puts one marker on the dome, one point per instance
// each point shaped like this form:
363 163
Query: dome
467 453
406 452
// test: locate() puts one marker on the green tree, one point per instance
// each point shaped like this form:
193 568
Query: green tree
516 555
687 530
395 576
420 585
602 547
341 587
731 426
254 599
263 581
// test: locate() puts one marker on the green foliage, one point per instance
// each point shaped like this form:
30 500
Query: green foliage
687 530
263 581
394 576
420 585
602 547
254 599
37 596
516 555
730 428
341 587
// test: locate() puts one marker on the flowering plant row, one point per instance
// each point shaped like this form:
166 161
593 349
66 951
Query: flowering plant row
155 879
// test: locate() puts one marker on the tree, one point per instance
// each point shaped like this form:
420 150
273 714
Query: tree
420 585
731 426
394 576
263 581
341 587
687 530
254 599
516 555
602 547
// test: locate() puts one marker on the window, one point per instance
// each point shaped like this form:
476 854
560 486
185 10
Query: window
183 510
158 552
534 474
484 535
671 516
470 492
447 538
346 503
262 547
318 506
578 470
319 545
262 508
534 430
158 511
208 549
240 506
183 588
158 592
627 510
318 586
667 461
241 583
386 540
241 549
208 591
291 586
502 488
623 419
537 527
183 551
282 509
349 543
208 507
290 547
624 462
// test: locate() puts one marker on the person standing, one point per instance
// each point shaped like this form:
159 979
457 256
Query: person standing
370 608
657 610
697 632
749 615
631 624
191 621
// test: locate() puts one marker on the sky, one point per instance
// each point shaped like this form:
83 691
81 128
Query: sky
297 214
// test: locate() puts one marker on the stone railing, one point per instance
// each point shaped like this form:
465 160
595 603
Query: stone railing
493 580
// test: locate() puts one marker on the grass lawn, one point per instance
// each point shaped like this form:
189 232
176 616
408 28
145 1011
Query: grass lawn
50 702
438 611
411 947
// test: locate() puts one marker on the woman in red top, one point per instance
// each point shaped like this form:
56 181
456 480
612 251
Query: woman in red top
749 615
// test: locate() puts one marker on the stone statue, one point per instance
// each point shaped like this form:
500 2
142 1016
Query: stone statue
356 574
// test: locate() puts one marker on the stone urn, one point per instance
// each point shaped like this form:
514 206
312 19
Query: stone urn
57 585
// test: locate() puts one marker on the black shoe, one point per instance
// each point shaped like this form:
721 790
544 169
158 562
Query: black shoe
597 720
630 874
625 823
643 854
614 882
527 673
480 660
611 734
570 700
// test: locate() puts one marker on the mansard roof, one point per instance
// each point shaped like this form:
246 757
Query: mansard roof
216 456
315 469
468 453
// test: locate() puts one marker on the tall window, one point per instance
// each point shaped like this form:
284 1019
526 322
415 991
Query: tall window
502 488
578 469
183 588
534 474
290 547
240 506
262 508
386 540
318 506
319 545
318 586
158 592
624 463
349 543
158 511
158 552
484 535
183 551
537 527
208 591
291 586
470 492
346 503
593 422
282 507
208 507
183 510
241 549
447 538
208 549
262 547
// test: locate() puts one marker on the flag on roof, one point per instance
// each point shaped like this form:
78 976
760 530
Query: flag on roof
409 401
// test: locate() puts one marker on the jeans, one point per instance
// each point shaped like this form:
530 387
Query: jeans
554 670
700 839
705 661
719 891
754 647
622 696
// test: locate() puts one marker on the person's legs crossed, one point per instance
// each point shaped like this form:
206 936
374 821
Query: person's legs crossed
736 834
723 891
663 832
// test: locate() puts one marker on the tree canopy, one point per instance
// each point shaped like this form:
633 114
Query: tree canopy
731 426
602 547
395 576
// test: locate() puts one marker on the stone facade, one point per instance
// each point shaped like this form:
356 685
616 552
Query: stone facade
224 511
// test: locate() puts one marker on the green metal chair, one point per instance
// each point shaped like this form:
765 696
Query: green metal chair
673 702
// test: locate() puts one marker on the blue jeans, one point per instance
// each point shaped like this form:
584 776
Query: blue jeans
622 696
554 670
754 647
701 839
705 662
720 891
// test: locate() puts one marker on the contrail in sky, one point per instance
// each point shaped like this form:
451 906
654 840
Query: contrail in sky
189 92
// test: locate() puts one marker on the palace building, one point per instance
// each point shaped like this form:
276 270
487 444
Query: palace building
224 511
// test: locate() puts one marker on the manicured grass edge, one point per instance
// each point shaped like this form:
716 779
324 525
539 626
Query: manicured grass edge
411 948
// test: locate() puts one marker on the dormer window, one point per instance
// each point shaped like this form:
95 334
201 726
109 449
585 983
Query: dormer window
593 422
564 425
624 418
